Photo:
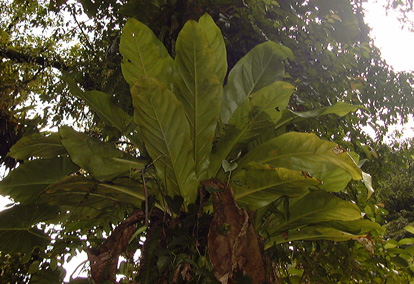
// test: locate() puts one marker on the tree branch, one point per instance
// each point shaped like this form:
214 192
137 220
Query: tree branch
21 57
104 258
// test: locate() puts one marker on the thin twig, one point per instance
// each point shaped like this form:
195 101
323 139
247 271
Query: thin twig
80 28
146 196
228 179
146 189
77 267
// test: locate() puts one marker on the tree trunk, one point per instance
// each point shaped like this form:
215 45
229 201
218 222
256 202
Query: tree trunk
233 244
104 259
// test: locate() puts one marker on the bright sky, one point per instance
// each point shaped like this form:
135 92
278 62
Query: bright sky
396 45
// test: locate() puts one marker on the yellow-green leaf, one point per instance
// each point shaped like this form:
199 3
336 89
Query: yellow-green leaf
216 42
340 109
409 229
166 134
255 116
95 156
144 54
262 66
312 233
37 145
303 152
199 91
81 191
25 183
257 185
334 180
101 103
314 208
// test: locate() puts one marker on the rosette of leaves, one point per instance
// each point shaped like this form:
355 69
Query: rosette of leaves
196 128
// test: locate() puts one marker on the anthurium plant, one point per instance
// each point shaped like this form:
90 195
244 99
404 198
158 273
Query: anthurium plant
210 180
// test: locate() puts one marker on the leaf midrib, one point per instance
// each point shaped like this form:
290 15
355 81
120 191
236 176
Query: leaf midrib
164 140
195 140
255 82
140 56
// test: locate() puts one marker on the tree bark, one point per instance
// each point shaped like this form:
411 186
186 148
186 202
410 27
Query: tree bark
104 258
232 241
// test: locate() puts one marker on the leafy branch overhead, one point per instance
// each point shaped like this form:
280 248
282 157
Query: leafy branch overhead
190 125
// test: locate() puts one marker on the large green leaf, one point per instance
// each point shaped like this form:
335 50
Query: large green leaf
94 156
88 201
334 231
200 91
268 101
17 231
340 109
144 54
256 115
334 181
262 66
355 226
312 208
82 191
216 42
25 183
311 233
303 152
337 179
37 145
166 134
102 104
111 115
256 185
